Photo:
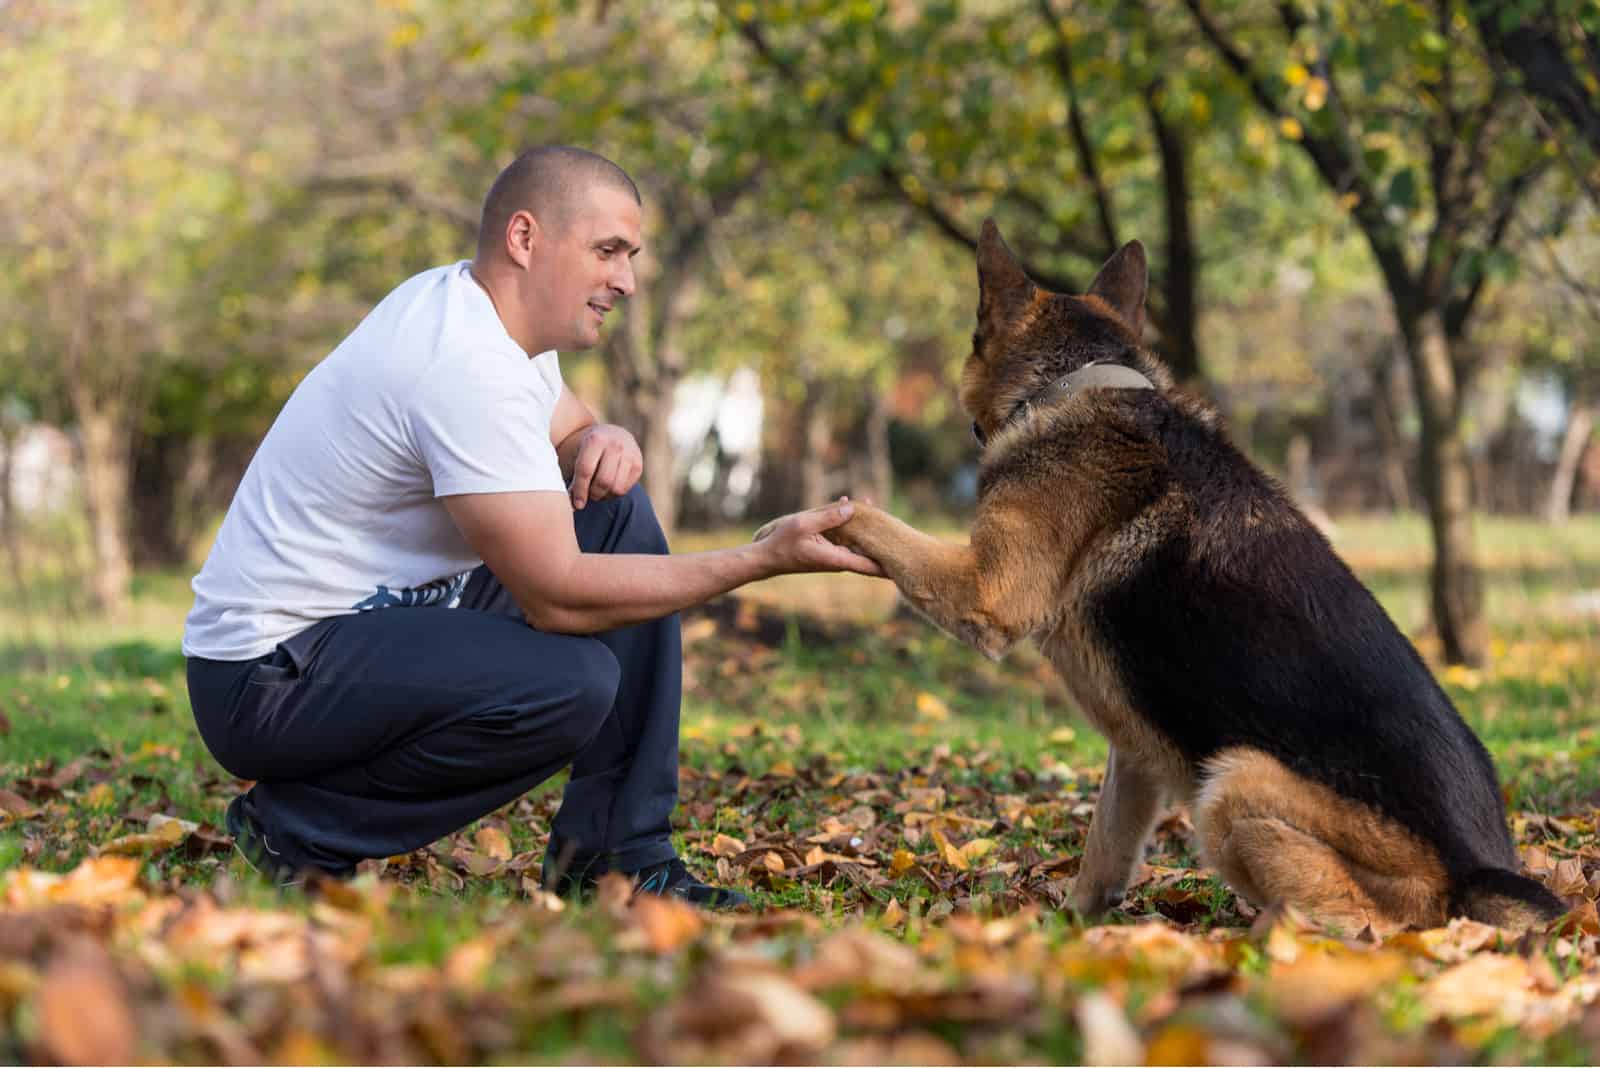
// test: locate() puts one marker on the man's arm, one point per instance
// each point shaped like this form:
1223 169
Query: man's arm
528 541
567 424
598 460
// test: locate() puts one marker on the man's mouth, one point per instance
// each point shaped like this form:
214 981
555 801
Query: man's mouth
599 309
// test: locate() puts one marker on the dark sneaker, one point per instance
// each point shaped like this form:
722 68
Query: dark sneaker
567 872
250 839
673 879
571 873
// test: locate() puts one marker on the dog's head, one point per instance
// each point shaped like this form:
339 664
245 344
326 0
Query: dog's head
1028 337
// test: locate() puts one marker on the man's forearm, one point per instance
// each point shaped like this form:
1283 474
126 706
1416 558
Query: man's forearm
567 450
603 591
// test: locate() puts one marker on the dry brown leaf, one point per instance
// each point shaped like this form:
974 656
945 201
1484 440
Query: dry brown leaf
724 845
894 915
467 962
493 842
1487 984
161 837
1567 880
1108 1037
666 923
16 804
82 1009
96 881
773 862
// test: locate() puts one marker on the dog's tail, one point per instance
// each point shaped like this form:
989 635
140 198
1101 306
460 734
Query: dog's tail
1505 899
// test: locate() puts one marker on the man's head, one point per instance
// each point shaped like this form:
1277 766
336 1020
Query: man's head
560 227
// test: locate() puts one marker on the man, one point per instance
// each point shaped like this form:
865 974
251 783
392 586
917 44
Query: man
439 581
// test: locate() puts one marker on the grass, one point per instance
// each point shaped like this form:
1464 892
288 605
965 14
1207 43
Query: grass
805 701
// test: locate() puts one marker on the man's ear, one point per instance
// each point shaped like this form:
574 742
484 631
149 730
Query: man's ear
1122 282
522 237
1004 290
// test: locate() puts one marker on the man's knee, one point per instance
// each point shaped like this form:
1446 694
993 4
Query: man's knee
641 531
595 677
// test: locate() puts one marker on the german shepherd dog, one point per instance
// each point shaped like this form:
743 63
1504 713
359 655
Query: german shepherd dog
1204 626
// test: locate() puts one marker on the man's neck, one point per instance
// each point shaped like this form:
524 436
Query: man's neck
488 282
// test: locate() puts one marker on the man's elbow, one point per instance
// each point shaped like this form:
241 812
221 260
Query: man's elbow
559 619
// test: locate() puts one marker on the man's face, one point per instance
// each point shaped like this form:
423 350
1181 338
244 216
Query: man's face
578 273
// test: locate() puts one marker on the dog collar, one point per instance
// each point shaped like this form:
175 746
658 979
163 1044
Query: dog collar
1089 376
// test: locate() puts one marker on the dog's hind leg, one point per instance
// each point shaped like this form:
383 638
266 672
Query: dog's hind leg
1131 799
1277 837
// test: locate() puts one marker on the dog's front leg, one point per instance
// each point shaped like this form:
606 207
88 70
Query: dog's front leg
1131 799
970 591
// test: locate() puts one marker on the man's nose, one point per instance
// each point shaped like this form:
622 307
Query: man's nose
623 281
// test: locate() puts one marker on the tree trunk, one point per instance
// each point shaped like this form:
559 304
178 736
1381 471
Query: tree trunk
1386 401
1180 335
105 449
1456 584
641 382
1580 423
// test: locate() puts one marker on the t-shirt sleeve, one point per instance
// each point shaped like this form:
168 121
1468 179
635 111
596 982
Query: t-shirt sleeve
482 425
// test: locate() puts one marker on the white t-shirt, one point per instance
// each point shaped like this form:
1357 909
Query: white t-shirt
338 511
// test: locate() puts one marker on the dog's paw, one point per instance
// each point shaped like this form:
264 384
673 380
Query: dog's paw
1096 900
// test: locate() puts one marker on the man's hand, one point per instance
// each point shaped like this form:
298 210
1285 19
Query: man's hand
608 464
796 542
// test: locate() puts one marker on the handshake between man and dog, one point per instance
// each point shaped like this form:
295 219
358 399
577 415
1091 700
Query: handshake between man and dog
1203 625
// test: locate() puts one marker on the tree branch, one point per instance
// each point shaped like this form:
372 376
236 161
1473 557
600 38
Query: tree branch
1061 53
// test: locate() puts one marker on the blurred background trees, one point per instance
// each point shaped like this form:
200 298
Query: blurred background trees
1372 226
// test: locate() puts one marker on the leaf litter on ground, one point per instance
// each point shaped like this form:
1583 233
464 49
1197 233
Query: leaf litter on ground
910 913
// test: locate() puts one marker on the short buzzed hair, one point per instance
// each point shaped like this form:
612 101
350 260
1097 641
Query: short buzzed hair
548 181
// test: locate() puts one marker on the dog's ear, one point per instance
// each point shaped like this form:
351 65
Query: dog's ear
1121 283
1004 290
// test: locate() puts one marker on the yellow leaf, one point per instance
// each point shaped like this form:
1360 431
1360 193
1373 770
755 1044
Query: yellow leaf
931 707
1295 74
164 836
1316 94
1290 127
724 845
894 915
1062 735
903 861
816 855
99 795
949 853
773 862
493 842
978 848
783 769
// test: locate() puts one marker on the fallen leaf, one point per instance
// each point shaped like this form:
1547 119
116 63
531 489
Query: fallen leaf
726 846
1487 984
162 837
493 842
902 861
978 848
1108 1037
82 1009
893 915
667 923
949 853
16 804
931 707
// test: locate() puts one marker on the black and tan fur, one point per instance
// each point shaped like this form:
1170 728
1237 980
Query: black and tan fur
1206 627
